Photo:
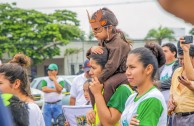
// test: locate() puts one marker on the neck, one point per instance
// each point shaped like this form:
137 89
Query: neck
142 89
110 35
170 61
23 97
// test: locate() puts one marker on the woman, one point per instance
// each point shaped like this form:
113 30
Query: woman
148 105
110 113
14 80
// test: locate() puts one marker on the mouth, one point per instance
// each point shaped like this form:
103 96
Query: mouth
130 79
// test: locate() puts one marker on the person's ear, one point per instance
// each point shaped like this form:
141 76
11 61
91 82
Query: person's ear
149 69
16 84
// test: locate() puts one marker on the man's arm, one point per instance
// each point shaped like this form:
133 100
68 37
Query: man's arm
45 88
188 66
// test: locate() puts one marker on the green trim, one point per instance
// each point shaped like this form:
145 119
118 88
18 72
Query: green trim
136 99
170 63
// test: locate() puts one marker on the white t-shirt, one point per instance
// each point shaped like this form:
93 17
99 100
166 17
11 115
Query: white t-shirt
35 115
166 72
52 96
77 89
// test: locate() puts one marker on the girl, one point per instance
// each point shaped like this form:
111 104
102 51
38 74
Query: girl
106 114
148 104
14 80
103 23
86 91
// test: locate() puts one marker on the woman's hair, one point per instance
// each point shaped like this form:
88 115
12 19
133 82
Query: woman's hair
101 59
17 69
111 19
88 81
152 54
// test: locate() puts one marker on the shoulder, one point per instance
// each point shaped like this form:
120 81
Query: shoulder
81 76
124 88
178 70
60 79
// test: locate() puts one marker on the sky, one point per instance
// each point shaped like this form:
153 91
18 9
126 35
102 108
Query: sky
136 17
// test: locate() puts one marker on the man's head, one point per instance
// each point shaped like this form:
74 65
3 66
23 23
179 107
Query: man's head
170 52
52 69
86 68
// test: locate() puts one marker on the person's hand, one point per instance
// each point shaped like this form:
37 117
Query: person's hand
66 123
171 106
97 49
134 121
91 117
95 86
185 47
52 77
183 80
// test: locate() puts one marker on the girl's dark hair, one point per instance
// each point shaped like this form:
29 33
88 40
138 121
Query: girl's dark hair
101 59
17 69
111 19
152 54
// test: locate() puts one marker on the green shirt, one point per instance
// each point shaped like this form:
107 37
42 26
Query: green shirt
44 83
149 112
119 98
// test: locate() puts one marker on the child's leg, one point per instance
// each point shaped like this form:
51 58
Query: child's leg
112 83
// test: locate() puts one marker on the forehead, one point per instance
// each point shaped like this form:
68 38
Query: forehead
93 62
165 48
132 59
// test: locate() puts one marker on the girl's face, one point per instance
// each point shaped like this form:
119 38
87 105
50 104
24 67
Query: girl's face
5 85
86 93
95 69
101 35
135 71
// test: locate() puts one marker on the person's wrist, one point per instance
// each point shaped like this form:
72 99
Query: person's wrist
96 95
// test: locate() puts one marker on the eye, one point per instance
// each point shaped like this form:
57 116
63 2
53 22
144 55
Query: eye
96 29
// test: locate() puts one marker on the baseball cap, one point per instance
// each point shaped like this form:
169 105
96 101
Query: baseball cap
87 65
53 67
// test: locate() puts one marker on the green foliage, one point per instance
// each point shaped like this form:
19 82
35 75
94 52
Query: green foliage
36 34
70 51
160 33
192 31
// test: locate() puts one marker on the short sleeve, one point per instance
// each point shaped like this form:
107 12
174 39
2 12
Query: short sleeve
149 112
43 83
119 98
73 92
62 83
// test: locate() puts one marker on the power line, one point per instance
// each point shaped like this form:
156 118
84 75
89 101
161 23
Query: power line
94 5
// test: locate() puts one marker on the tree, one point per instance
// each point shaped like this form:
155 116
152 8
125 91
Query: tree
191 31
160 34
36 34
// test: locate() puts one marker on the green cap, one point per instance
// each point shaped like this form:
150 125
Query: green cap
53 67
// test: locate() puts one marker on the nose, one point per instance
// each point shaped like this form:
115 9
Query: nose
128 73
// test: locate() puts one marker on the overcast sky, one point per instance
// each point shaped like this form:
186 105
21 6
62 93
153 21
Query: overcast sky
135 18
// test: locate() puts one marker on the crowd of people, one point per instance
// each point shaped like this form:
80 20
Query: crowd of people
147 86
